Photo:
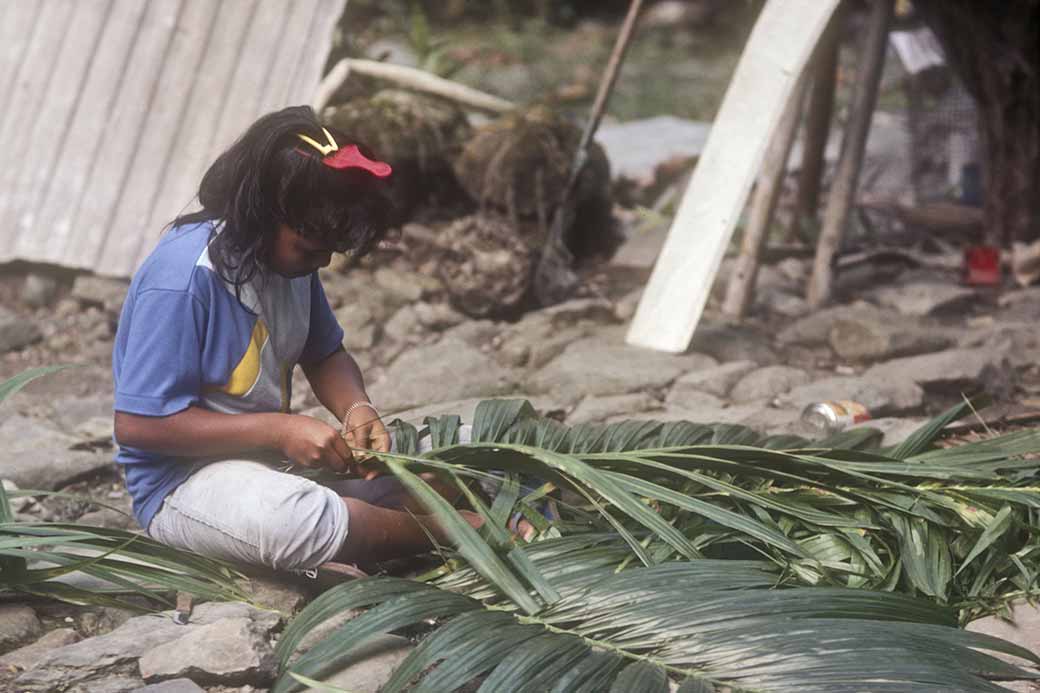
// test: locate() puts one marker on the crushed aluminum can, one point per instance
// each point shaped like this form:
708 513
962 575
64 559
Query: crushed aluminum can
834 415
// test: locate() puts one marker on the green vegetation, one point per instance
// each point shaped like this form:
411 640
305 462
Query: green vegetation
36 556
865 561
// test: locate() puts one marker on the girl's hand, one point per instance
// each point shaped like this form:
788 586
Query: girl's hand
364 429
312 443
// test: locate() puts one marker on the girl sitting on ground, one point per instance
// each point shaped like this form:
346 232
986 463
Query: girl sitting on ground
215 321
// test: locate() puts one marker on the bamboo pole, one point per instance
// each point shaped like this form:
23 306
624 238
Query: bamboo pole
843 190
410 77
741 288
820 112
554 279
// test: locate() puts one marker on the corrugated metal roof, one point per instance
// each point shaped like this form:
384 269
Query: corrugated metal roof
113 109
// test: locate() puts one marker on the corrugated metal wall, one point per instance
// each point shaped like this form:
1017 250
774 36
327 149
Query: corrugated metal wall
113 109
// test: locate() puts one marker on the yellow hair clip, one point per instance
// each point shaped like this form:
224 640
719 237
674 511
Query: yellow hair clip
323 149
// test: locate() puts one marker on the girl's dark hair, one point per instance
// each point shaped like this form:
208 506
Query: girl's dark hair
271 177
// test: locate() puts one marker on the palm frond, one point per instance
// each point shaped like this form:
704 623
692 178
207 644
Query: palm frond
36 557
953 525
706 622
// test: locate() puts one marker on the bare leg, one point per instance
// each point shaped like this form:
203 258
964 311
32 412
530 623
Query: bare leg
379 534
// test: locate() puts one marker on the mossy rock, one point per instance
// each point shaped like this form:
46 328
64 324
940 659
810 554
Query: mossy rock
519 163
418 135
485 264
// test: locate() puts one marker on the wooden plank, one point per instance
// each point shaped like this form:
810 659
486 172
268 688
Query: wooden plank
818 125
776 53
65 93
165 112
113 165
27 101
85 132
190 156
741 289
853 146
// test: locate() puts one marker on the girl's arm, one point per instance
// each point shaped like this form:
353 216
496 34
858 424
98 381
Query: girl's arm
198 432
338 383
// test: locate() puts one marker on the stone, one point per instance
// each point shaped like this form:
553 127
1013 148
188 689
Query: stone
96 430
625 308
477 333
39 290
880 397
866 338
102 292
437 316
926 298
37 455
536 339
110 518
18 625
768 382
692 400
402 325
815 329
27 657
717 380
598 366
593 409
360 327
733 343
17 332
232 651
641 248
782 303
447 370
18 504
120 683
92 660
1020 341
404 287
172 686
277 593
1023 629
569 312
952 371
372 664
78 414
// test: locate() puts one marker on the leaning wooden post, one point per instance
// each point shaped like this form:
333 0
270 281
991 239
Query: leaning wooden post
819 113
741 289
843 189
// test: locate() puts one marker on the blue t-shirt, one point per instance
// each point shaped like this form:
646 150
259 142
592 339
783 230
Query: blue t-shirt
185 339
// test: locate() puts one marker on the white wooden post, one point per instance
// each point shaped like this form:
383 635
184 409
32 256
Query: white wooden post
776 54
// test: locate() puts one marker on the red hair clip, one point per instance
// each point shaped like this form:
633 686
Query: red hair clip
347 157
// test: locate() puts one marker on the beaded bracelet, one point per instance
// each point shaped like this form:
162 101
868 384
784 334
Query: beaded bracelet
355 405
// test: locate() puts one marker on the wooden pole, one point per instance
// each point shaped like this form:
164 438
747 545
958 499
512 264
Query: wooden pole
410 77
846 177
554 279
741 289
818 124
776 53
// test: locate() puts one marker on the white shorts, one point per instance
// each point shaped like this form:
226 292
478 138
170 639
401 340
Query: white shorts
247 512
244 511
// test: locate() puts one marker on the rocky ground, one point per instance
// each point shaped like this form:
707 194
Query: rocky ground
903 346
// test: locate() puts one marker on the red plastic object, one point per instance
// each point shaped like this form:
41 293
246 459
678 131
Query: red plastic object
982 265
351 157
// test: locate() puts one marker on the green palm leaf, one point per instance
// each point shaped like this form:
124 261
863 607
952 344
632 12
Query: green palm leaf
706 622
